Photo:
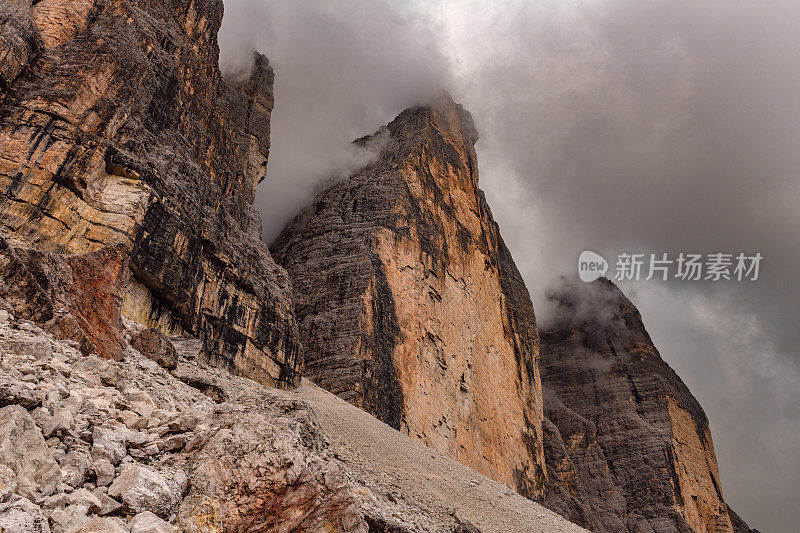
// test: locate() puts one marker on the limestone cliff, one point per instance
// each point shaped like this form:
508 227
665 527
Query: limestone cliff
628 447
410 306
116 127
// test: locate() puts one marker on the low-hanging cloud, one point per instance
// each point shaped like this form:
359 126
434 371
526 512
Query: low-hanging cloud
571 303
610 125
342 69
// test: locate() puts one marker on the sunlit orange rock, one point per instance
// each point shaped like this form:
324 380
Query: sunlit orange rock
410 305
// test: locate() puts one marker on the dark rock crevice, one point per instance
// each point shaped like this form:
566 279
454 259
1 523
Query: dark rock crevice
383 390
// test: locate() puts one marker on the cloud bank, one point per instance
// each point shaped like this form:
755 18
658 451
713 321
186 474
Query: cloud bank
343 69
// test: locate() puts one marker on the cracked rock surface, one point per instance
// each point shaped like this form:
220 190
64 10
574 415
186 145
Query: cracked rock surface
117 128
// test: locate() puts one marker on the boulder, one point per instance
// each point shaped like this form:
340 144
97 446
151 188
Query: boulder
147 522
84 497
261 473
22 448
14 392
69 518
109 442
103 471
199 513
101 525
8 483
143 489
75 467
155 346
45 421
22 516
107 505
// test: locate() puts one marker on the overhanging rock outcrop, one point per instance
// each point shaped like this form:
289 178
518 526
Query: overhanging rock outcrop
410 306
116 126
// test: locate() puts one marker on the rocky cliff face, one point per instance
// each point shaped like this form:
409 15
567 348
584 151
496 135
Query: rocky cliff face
116 127
410 305
628 447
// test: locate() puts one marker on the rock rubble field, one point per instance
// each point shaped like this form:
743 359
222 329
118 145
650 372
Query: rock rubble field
94 445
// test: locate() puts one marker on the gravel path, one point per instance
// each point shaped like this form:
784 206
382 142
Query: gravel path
389 462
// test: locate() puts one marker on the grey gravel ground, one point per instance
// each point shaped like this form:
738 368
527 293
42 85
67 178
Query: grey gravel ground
387 462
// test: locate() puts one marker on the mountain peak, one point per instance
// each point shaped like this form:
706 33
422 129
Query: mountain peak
443 114
597 342
409 303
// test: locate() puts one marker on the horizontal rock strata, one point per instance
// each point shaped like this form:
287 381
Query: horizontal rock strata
117 127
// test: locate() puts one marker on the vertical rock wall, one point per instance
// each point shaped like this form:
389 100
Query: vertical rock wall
410 305
628 447
117 127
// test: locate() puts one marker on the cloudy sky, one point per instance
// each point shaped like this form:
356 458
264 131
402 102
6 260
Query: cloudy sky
617 126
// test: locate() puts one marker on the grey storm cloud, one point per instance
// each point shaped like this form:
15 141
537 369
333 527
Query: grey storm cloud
640 126
343 69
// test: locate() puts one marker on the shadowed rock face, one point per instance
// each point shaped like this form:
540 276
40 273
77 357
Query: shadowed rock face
410 305
20 39
628 447
116 127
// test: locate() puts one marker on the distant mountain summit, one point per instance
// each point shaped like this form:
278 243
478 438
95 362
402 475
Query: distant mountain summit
628 447
410 306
